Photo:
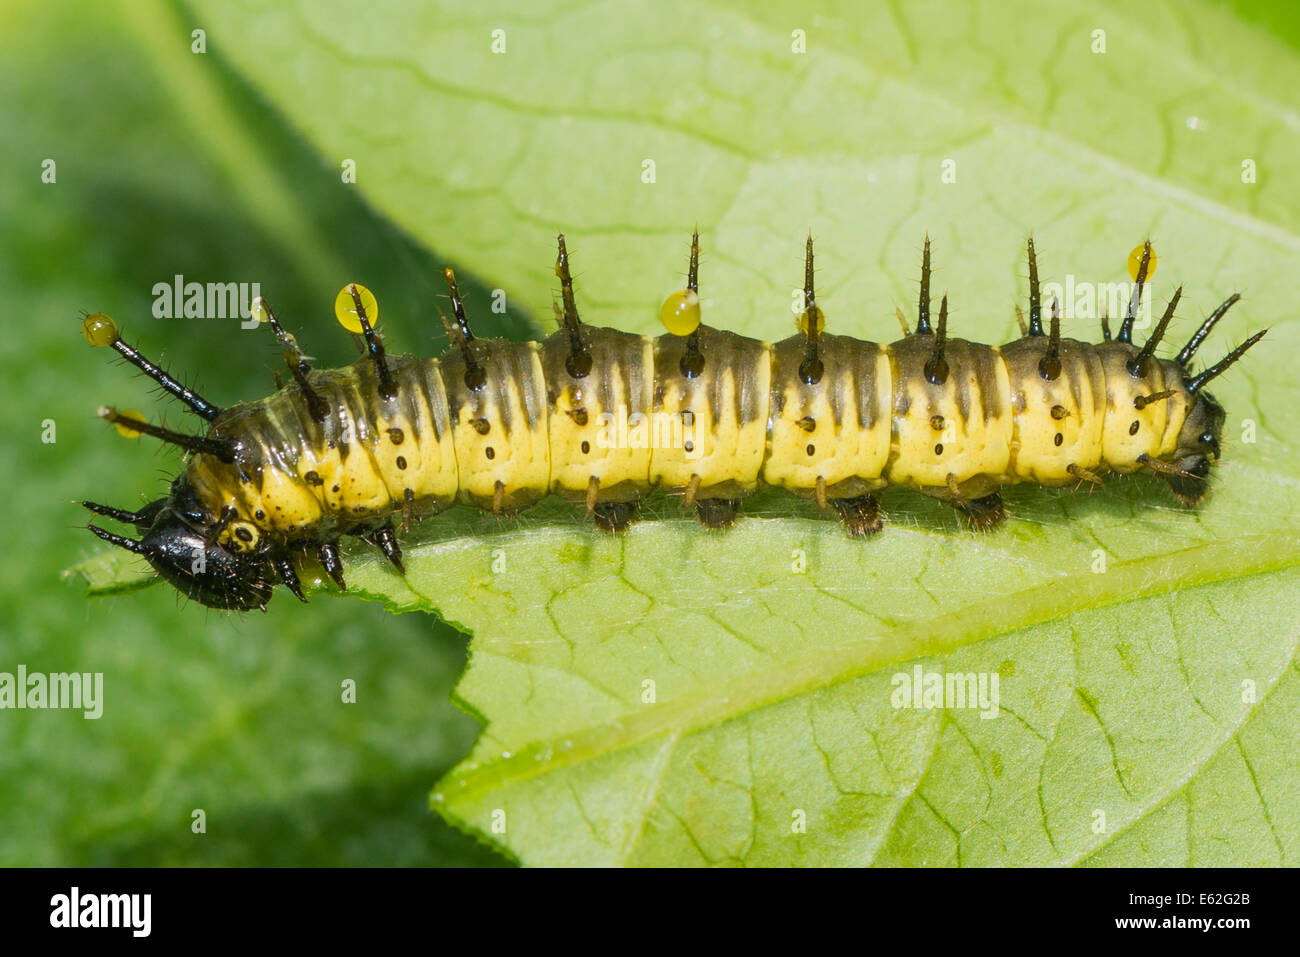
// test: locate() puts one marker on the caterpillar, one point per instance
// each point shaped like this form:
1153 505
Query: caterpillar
365 450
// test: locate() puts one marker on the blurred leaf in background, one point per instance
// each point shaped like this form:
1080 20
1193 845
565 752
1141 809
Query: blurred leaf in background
240 716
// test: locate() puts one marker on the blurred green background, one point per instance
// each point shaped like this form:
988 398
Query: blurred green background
238 715
161 170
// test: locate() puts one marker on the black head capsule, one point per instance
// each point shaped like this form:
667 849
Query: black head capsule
179 544
578 363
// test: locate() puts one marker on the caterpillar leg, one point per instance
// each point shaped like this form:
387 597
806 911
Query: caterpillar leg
328 553
984 514
1190 483
386 539
1190 491
1085 475
861 516
613 516
283 566
408 510
717 512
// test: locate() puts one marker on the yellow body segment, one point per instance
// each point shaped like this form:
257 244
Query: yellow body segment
720 414
499 431
288 503
953 434
599 424
836 431
1058 421
411 441
1129 432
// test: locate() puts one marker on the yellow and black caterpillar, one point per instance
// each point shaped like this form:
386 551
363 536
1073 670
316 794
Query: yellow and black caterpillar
603 416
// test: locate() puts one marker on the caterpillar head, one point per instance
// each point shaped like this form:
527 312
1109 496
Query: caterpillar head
1198 445
179 542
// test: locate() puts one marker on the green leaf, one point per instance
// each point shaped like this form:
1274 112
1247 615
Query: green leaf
112 573
240 716
1147 709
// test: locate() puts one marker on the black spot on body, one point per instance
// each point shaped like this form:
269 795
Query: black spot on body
586 447
811 448
401 461
490 452
397 435
311 478
243 534
1059 439
1133 429
938 448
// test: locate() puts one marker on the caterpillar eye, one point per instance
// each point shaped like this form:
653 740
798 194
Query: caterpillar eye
240 537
